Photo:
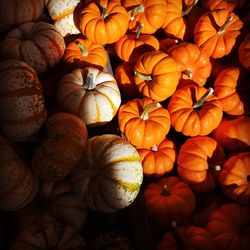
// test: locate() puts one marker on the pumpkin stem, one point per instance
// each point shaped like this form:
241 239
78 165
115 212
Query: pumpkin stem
144 115
104 12
138 32
189 8
188 72
154 148
143 77
165 191
177 235
84 51
139 9
201 101
88 80
216 167
222 29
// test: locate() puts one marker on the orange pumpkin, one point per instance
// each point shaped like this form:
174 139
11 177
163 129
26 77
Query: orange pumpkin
229 227
220 4
156 75
62 148
83 53
143 122
149 13
167 43
216 32
18 184
168 199
104 22
38 44
159 159
194 110
230 87
192 62
198 156
244 52
233 133
131 46
22 107
234 178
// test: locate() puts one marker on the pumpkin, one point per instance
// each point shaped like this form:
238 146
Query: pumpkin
198 156
22 107
220 4
234 178
167 43
156 75
144 123
194 110
90 93
47 233
109 174
62 13
124 75
38 44
180 19
83 53
18 184
168 199
229 226
15 12
149 13
191 61
131 46
62 147
158 159
216 32
244 52
104 22
186 237
233 133
230 87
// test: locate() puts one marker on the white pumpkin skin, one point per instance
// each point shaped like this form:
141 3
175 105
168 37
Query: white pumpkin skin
109 175
22 106
62 12
38 44
95 105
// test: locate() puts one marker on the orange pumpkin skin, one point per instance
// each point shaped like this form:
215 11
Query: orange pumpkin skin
233 133
189 237
83 53
229 226
129 48
216 33
150 13
100 27
143 127
197 156
156 75
192 62
188 119
18 184
159 159
234 178
244 52
165 204
22 107
15 12
39 44
61 150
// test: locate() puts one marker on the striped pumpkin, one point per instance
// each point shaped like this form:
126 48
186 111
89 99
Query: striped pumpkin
22 108
18 185
62 12
61 150
90 93
38 44
109 175
15 12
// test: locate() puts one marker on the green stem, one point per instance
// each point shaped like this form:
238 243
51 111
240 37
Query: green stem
138 33
189 8
144 115
165 191
201 101
223 28
104 12
143 77
84 51
139 9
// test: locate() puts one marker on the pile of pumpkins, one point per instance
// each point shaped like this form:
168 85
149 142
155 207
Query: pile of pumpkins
104 103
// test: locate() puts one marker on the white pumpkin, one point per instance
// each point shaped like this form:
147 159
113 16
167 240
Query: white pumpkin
109 175
90 93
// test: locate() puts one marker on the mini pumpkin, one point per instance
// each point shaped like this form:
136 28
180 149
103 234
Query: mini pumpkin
220 4
144 123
